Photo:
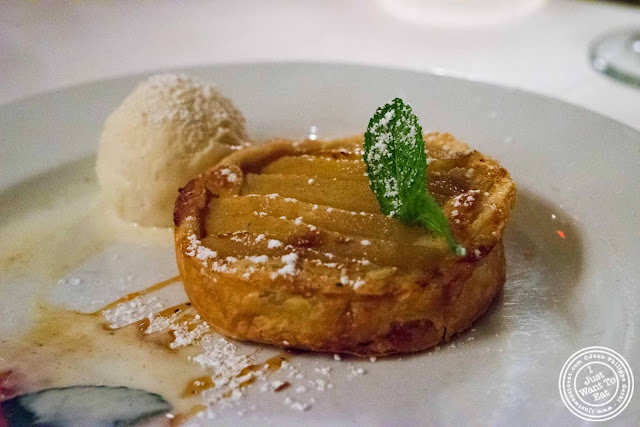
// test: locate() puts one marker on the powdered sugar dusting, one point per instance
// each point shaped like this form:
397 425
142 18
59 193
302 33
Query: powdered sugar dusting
274 244
131 311
196 249
196 105
386 142
289 268
223 358
186 333
231 176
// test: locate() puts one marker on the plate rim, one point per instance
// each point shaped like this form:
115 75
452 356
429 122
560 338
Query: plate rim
436 72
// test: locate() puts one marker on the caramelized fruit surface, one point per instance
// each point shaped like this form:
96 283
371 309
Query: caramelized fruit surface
286 244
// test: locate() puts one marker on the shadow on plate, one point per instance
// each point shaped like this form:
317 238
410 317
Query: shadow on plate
544 252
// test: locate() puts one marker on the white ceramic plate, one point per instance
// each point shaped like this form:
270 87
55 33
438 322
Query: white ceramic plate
572 247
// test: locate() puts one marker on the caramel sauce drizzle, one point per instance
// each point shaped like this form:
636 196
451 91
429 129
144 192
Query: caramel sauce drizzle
199 384
137 294
167 312
174 310
179 419
271 365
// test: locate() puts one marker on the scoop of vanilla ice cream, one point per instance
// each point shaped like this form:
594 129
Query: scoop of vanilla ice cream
168 130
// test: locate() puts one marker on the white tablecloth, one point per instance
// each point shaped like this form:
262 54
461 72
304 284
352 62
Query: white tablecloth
45 46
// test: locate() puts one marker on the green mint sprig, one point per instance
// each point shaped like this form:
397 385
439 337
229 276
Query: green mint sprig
396 162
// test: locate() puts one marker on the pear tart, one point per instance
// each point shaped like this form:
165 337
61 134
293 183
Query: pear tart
285 244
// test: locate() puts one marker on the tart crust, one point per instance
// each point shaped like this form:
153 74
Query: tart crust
336 283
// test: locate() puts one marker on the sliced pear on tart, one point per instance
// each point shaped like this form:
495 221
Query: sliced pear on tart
285 244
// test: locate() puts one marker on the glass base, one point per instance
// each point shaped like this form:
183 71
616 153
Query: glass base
618 56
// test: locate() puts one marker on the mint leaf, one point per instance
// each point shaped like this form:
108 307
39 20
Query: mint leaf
395 158
397 167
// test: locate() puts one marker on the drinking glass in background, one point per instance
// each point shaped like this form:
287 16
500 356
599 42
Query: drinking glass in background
461 13
617 54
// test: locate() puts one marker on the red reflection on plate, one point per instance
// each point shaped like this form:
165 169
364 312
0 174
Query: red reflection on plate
7 386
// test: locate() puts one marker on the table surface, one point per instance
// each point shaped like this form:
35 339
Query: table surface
44 46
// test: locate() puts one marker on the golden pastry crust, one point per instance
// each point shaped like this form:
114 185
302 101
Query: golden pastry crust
285 244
